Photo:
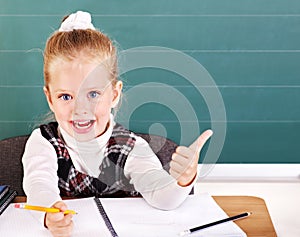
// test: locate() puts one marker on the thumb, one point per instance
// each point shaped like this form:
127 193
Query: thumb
200 141
61 206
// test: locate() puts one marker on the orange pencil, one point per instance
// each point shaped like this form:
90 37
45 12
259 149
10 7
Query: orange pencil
44 209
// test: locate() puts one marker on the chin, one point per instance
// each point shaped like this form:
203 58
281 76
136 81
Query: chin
83 137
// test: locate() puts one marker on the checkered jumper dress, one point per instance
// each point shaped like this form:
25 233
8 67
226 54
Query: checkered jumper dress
110 183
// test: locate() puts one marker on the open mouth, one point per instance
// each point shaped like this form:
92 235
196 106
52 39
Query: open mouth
82 126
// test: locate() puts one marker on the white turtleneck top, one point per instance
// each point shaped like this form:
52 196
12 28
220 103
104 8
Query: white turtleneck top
142 168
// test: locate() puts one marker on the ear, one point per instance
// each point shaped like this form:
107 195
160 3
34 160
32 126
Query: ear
117 90
48 96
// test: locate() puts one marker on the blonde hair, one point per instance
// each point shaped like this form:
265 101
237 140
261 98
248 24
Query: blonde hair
67 45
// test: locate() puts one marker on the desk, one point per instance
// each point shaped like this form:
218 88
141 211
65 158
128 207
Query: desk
259 224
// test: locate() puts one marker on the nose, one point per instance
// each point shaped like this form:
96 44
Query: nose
82 106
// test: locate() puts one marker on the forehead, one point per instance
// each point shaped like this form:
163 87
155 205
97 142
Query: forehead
78 73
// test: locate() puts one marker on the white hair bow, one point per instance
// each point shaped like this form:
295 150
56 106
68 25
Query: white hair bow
77 21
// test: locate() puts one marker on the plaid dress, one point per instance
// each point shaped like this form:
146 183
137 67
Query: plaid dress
110 183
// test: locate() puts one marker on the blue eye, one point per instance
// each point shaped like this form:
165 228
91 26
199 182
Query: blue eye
66 97
93 94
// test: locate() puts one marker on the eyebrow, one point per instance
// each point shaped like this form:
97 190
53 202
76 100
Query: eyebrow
61 91
98 88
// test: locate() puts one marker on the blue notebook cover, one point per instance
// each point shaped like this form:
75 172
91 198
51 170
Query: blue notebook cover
3 190
7 199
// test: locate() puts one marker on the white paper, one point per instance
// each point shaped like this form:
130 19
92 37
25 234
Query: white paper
130 217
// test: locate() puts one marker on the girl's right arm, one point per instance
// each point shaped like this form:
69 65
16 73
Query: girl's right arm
40 180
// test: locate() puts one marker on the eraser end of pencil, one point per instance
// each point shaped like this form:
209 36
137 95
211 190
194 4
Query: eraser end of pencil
17 205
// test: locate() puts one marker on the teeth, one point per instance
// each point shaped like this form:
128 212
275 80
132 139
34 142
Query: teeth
82 124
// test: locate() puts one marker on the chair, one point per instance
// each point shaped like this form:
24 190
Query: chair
11 151
162 147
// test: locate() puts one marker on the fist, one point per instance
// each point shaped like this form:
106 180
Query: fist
59 224
184 163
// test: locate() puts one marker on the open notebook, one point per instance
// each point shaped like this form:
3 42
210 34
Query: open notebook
130 217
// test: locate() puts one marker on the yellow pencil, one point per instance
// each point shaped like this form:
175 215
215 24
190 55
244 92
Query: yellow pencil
44 209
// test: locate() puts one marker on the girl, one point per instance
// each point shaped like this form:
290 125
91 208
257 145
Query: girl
85 153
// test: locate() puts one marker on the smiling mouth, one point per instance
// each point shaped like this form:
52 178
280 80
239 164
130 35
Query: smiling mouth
83 125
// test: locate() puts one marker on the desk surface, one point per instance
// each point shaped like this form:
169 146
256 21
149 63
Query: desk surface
257 225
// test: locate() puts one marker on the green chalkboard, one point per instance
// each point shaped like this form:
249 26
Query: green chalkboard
186 65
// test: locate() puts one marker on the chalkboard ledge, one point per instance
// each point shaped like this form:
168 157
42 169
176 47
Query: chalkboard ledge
249 172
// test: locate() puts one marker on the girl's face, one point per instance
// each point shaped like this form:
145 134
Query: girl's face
81 96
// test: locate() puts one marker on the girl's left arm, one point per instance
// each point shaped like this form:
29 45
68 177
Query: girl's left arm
156 185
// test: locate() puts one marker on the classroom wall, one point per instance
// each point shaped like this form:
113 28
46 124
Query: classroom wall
228 65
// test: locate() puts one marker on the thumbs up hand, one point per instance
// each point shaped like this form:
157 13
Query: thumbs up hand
183 166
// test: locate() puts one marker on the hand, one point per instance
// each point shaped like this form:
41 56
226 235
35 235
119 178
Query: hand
184 163
59 224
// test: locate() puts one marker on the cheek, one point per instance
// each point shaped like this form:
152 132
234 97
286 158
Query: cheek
103 108
62 112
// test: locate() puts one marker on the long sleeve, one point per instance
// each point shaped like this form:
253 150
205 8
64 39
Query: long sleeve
40 180
146 173
142 168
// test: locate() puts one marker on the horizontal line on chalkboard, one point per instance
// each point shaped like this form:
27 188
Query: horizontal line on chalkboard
157 15
242 51
217 86
21 86
179 86
215 50
35 50
176 121
215 121
25 121
184 50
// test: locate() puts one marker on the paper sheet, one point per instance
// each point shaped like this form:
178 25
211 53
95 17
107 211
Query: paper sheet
131 217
